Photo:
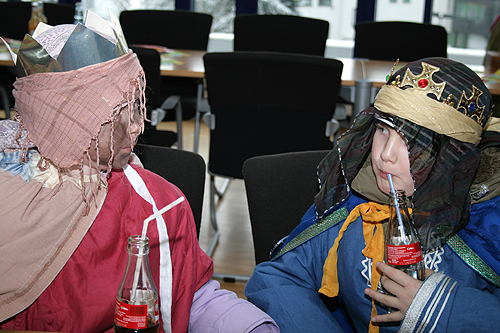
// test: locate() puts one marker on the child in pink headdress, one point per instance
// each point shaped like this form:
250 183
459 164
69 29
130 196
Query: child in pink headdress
73 192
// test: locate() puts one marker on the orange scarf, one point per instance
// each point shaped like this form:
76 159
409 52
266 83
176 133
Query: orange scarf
372 214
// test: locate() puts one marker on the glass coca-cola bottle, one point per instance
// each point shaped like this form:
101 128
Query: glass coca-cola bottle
137 308
402 247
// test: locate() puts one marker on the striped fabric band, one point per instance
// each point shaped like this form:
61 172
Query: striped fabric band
428 304
416 107
313 230
165 287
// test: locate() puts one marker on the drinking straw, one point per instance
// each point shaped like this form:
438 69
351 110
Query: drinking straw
158 213
396 205
143 238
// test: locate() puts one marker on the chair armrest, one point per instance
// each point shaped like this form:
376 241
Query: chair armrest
209 120
170 102
332 126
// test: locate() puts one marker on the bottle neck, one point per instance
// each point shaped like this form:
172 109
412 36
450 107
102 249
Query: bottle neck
397 198
138 246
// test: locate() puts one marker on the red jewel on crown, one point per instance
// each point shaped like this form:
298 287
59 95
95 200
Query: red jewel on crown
422 83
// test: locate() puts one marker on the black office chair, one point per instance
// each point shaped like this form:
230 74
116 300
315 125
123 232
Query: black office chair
14 17
150 61
265 103
280 33
174 29
185 169
280 188
406 41
57 13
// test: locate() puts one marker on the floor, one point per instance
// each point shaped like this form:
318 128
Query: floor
233 256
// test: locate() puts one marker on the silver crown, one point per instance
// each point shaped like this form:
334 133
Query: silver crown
85 46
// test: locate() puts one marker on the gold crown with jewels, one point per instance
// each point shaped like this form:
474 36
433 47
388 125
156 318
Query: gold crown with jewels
423 82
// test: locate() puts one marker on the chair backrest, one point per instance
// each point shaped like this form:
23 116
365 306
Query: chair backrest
14 18
57 13
175 29
280 33
185 169
406 41
268 103
280 188
150 62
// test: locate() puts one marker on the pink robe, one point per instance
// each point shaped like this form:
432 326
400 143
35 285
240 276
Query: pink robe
82 296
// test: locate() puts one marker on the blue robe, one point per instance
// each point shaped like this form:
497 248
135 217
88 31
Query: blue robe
462 296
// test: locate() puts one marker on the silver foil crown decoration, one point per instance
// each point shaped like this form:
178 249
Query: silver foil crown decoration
94 42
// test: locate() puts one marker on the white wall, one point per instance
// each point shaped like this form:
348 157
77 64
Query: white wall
341 16
411 11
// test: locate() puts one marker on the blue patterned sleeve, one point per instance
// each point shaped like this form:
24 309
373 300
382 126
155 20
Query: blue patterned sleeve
286 289
442 305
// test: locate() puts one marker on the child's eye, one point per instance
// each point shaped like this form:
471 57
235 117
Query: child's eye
382 129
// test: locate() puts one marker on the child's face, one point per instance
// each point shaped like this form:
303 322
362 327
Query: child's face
125 137
390 155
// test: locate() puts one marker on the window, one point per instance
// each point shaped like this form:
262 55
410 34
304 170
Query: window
103 7
467 22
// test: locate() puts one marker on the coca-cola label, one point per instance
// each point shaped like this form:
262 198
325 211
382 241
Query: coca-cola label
404 254
131 316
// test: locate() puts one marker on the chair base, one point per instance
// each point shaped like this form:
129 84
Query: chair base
230 277
214 240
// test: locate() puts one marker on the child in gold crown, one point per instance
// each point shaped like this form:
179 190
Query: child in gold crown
430 128
73 192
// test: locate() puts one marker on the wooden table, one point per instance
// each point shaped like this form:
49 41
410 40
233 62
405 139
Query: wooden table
190 64
374 71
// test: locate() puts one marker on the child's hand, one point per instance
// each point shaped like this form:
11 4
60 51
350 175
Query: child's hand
402 286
